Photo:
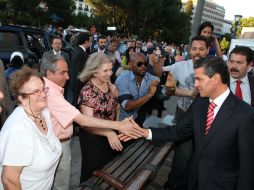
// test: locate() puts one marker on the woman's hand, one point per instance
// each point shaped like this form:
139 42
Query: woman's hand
114 141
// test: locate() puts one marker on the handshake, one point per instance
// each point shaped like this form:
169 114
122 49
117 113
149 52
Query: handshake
129 129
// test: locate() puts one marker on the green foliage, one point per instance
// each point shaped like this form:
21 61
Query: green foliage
189 7
28 12
160 19
244 22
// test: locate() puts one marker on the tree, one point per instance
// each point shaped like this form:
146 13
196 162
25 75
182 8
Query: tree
160 19
28 12
245 22
189 7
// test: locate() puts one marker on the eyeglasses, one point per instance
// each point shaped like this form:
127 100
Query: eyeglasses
140 63
37 92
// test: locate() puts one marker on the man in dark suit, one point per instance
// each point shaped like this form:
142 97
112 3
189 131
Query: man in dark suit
78 60
56 45
56 49
239 63
223 128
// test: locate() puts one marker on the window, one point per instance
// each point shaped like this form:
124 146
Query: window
86 8
9 40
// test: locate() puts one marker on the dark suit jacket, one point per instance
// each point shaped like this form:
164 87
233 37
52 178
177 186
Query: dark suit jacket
224 159
64 54
78 61
251 83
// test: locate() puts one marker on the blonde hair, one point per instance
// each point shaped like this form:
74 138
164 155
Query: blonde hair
93 63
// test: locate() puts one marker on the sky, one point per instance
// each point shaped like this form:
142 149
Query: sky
242 7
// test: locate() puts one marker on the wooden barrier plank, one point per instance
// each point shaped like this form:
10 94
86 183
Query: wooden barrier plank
131 169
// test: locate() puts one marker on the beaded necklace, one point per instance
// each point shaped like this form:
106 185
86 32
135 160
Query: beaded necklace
37 120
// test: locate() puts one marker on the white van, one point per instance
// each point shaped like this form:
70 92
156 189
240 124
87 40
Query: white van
241 42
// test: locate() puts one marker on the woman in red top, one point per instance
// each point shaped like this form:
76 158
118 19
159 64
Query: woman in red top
98 98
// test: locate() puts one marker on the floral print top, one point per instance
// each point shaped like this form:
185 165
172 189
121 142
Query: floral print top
104 104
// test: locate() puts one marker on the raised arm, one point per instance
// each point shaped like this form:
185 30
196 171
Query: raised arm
134 104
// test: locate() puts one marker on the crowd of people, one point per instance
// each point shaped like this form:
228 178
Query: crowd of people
105 95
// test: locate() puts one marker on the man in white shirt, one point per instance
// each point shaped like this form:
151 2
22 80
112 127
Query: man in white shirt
239 63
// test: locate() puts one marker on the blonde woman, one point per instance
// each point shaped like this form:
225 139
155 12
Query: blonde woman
98 98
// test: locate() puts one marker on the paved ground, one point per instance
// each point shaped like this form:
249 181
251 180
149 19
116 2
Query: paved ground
156 182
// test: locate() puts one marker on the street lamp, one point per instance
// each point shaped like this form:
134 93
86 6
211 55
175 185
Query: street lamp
237 21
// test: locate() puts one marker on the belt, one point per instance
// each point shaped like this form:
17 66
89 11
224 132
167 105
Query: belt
66 139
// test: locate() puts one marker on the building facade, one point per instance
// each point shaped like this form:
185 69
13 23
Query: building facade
82 7
212 12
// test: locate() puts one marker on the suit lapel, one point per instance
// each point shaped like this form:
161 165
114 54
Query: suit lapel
203 115
251 83
222 116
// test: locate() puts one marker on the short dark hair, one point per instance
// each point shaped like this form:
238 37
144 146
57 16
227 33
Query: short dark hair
113 40
200 38
245 51
55 37
204 25
82 38
213 65
135 55
127 53
101 37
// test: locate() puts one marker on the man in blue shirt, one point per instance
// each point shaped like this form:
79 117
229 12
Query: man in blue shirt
136 87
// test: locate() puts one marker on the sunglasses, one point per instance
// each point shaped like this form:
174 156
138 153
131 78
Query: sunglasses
140 63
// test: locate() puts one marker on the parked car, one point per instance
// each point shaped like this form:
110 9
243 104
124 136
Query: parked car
31 42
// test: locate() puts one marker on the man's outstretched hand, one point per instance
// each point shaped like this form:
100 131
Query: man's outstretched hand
123 137
130 128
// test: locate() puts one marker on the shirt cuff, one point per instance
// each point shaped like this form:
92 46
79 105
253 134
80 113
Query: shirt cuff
150 136
166 68
124 103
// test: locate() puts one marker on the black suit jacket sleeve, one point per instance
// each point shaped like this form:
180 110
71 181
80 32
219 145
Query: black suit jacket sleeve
176 132
246 154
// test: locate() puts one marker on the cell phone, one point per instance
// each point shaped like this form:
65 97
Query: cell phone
163 78
158 52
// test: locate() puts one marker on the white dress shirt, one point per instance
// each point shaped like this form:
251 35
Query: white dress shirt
82 48
218 101
245 87
57 53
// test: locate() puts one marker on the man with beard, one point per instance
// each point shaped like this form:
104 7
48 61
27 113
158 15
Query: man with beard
183 73
136 87
101 43
239 63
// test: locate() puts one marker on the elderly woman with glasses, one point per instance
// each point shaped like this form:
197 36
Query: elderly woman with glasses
29 150
98 98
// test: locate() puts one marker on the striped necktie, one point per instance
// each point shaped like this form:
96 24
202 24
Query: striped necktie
210 117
